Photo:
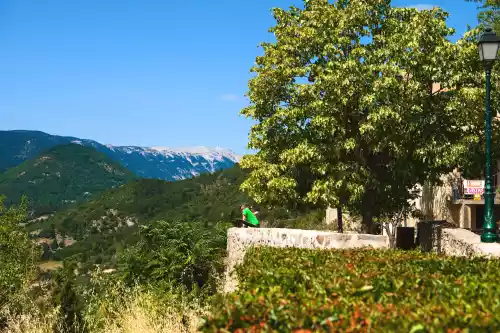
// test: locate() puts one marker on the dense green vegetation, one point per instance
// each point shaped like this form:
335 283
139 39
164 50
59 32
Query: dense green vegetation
284 290
106 225
62 176
174 266
188 254
169 259
18 257
489 14
204 198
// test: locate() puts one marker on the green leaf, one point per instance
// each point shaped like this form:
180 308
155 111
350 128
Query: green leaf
417 328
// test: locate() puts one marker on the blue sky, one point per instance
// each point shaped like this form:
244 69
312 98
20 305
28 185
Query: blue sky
148 73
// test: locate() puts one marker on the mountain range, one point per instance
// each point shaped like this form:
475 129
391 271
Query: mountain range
88 201
145 162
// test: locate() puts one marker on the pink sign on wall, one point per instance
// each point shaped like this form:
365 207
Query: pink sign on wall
473 187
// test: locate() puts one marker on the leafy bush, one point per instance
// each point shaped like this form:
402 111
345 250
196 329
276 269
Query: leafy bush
359 291
18 256
314 219
189 254
68 301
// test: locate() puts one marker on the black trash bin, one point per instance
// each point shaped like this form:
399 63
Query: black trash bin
405 238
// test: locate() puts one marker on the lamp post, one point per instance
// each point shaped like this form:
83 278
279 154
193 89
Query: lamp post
488 46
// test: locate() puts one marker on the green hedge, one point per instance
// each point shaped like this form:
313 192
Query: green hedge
284 290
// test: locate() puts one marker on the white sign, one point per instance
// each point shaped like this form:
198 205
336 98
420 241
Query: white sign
474 187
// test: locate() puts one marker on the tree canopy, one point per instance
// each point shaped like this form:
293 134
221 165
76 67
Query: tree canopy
489 13
347 109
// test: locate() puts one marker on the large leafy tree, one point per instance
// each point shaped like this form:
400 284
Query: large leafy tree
346 111
489 13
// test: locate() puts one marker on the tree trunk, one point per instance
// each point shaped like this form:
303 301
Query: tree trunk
339 220
368 226
367 213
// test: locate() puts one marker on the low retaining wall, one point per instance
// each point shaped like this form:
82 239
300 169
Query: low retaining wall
439 238
465 243
445 238
239 240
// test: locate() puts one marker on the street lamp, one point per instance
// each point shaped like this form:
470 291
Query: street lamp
488 46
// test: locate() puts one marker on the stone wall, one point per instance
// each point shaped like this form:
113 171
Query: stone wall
465 243
445 238
239 240
447 241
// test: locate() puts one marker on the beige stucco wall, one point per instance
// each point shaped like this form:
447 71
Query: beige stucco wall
433 203
350 223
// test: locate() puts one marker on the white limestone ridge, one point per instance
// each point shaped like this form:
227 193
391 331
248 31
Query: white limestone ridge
210 154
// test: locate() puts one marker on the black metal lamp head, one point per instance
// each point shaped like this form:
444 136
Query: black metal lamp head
488 46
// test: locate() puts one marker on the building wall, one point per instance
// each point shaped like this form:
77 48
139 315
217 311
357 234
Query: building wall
433 203
350 223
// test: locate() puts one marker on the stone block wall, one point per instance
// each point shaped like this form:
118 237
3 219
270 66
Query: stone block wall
239 240
445 238
465 243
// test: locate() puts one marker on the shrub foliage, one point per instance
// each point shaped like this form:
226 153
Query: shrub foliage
18 255
188 254
359 291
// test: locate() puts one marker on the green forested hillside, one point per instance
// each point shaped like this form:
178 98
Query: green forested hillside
62 176
108 223
205 198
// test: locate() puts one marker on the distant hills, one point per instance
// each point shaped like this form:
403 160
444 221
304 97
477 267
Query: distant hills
90 200
145 162
206 198
109 222
102 227
62 176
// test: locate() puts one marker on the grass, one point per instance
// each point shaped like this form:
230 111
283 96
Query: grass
139 312
140 316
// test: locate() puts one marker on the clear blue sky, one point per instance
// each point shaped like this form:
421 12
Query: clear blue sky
142 72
